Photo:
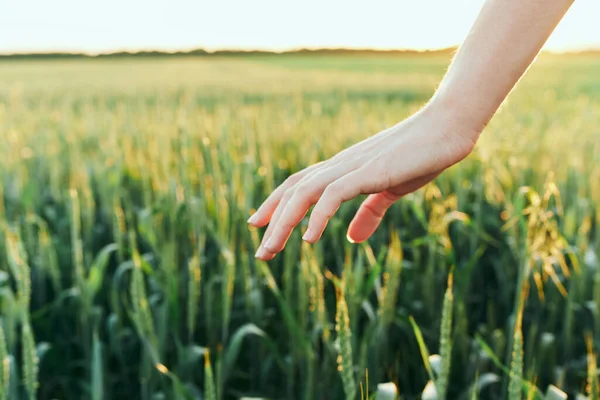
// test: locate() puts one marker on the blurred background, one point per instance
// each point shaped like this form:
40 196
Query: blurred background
137 138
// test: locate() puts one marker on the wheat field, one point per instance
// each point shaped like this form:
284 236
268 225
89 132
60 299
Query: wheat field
127 269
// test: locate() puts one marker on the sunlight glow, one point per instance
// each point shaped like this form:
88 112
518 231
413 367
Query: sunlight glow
71 25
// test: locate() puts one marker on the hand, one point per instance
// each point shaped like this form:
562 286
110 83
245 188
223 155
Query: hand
387 166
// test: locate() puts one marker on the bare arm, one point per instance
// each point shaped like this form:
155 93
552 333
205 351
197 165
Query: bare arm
506 37
503 42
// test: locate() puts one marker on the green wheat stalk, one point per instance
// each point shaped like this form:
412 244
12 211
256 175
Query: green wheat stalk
344 360
49 258
76 242
119 229
227 293
30 360
194 281
210 392
17 261
515 387
446 339
319 305
593 389
391 281
4 366
141 308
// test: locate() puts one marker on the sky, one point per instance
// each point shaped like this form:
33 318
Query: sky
115 25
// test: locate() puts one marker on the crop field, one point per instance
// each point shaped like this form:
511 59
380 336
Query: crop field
127 268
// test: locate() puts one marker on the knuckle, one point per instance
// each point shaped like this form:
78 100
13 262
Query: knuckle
295 178
378 176
288 194
303 189
286 226
376 166
332 193
322 178
316 216
338 156
321 214
332 189
385 176
302 194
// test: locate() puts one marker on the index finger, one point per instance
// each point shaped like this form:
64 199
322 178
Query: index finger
263 215
343 189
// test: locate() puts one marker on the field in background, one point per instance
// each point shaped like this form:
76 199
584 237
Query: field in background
126 267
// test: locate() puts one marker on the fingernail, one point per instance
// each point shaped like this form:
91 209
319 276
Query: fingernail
253 219
308 235
350 239
261 253
270 245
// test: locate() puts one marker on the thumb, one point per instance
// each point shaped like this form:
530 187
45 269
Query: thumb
371 212
369 216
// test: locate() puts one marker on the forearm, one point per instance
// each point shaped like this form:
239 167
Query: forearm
503 42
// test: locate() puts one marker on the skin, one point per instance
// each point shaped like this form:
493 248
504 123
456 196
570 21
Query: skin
503 42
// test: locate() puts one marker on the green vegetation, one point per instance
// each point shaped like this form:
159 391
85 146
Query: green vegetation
126 267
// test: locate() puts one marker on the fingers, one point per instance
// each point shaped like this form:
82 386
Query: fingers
303 196
369 216
263 215
345 188
329 188
371 212
263 253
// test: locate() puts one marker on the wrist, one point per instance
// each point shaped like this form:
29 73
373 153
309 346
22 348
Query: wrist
452 126
461 116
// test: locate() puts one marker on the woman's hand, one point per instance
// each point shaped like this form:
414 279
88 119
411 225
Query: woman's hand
387 166
504 40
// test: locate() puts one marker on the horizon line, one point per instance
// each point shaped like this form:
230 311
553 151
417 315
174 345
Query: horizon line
226 50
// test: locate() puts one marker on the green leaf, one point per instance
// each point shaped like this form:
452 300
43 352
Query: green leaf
422 348
235 344
98 267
